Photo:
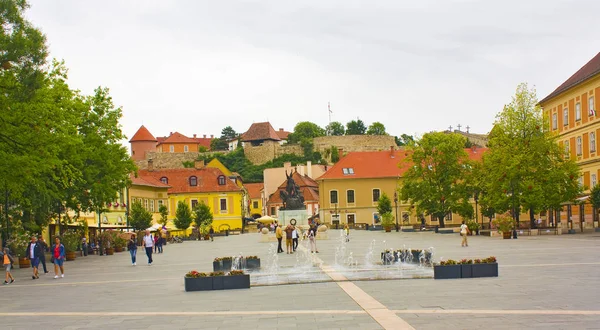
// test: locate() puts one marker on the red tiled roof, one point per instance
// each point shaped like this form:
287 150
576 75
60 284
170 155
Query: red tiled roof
586 72
379 164
310 195
147 181
142 134
260 131
254 189
178 180
177 138
283 134
301 181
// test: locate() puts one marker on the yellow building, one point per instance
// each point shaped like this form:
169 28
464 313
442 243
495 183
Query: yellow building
572 110
151 193
202 184
254 199
349 191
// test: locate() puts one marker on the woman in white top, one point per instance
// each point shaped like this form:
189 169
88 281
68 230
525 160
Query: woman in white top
294 239
464 230
148 244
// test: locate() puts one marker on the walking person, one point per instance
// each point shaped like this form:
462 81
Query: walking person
155 243
33 254
7 261
295 239
44 248
132 247
211 233
279 236
148 244
58 257
288 239
464 230
312 233
347 232
84 247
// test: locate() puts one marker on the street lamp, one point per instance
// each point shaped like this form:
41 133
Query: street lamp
396 204
337 216
476 198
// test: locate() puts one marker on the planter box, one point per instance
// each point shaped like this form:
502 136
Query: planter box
446 272
198 284
226 265
217 267
236 282
485 270
24 263
466 271
252 263
217 283
110 251
71 256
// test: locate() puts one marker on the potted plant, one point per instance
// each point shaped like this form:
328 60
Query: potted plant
252 262
120 243
447 269
195 281
226 263
17 245
466 268
236 279
217 265
387 221
504 225
487 267
473 227
71 239
106 240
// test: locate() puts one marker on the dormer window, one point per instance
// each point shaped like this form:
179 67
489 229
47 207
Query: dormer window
164 180
193 181
348 170
221 180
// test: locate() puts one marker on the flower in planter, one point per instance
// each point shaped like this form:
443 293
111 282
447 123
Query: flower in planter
448 262
477 261
235 273
195 274
109 204
217 274
466 262
251 257
226 258
489 260
116 204
218 259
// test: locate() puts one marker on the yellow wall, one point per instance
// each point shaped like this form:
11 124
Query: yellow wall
256 210
215 163
150 197
231 218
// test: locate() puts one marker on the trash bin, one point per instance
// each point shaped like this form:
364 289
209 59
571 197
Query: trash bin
367 226
437 229
227 232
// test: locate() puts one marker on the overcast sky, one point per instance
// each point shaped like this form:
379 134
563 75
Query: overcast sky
417 66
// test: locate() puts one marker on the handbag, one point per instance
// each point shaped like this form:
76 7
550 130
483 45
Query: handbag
52 259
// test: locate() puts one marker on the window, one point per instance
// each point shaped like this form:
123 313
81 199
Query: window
592 110
348 170
350 196
171 148
565 116
185 149
594 180
333 197
223 203
449 216
255 204
554 121
194 203
160 203
273 210
578 111
221 180
146 204
580 181
567 148
376 194
578 146
164 180
193 181
151 202
592 141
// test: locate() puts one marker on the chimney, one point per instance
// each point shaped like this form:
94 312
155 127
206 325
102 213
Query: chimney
341 152
198 164
204 136
309 169
150 165
392 151
170 133
212 136
281 129
194 136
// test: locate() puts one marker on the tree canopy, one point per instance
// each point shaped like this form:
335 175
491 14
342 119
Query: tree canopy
335 128
228 134
376 128
139 218
435 180
356 127
183 216
305 130
204 215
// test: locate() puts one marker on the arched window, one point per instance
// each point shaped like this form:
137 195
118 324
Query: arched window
193 181
164 180
221 180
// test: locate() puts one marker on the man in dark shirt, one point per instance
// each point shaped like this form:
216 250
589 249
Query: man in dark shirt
43 248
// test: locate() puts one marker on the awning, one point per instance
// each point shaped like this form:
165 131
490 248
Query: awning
583 198
266 219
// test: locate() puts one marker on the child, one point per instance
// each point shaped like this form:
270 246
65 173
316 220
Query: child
7 262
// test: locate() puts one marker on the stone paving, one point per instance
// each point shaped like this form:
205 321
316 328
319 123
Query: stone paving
545 282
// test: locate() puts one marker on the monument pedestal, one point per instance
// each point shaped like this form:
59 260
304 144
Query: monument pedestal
301 217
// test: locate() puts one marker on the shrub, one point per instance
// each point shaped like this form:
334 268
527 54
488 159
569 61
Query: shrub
447 262
251 257
466 262
195 274
235 273
489 260
71 239
216 274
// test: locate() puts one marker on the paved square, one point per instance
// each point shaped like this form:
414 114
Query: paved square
545 282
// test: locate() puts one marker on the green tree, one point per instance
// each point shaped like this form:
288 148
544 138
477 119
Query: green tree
305 130
404 139
139 218
183 216
384 204
376 128
164 212
335 128
228 134
204 215
356 127
219 144
435 180
335 154
525 168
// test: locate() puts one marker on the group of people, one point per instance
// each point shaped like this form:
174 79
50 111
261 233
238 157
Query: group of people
36 253
148 242
292 235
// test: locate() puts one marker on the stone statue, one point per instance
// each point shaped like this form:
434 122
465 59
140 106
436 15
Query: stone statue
292 196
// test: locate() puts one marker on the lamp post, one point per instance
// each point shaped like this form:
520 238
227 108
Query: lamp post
476 198
337 216
396 204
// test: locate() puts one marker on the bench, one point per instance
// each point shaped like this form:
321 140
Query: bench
547 230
